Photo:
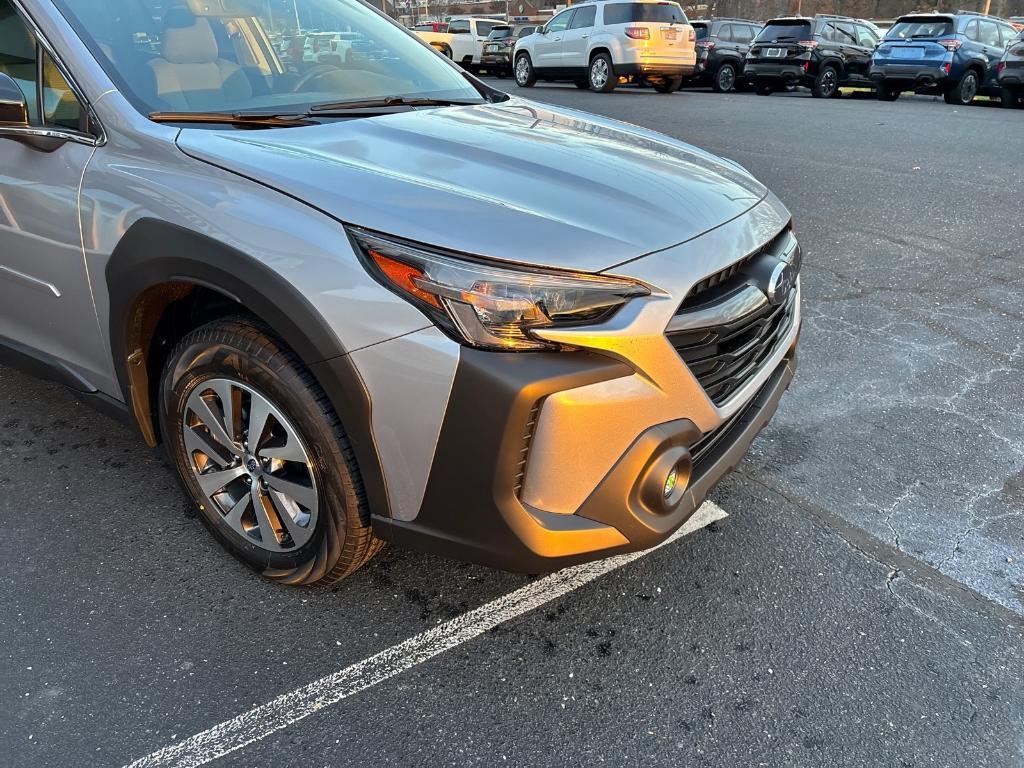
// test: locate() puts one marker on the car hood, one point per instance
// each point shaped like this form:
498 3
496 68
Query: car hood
513 181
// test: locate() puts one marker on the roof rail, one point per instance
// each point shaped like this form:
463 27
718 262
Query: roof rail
962 12
730 18
833 16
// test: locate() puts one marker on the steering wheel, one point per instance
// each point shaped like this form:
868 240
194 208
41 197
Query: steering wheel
316 72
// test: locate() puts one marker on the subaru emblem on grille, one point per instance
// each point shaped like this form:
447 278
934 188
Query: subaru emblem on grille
781 283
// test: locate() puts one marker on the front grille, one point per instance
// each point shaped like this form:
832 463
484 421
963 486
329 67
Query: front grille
724 357
726 280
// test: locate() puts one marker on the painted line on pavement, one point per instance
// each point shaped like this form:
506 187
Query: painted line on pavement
289 708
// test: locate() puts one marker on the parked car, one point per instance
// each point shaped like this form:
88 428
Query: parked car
824 54
463 41
386 307
501 42
722 46
955 54
597 44
1011 73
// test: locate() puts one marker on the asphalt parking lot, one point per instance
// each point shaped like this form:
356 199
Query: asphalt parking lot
856 596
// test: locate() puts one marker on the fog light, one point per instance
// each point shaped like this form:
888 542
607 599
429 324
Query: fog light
670 481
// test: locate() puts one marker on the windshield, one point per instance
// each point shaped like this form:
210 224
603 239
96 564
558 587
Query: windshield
239 55
784 30
632 13
906 29
500 33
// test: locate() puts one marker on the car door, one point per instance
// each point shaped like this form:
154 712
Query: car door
855 58
867 41
548 48
992 50
46 307
576 39
463 41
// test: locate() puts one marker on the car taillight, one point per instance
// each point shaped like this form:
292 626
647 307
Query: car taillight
809 43
947 66
638 33
1001 67
951 45
693 36
1017 50
706 45
807 66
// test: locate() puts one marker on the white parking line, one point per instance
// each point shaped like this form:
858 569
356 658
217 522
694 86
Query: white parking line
289 708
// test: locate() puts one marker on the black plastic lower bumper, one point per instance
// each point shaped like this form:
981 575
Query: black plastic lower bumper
790 74
653 70
471 508
911 76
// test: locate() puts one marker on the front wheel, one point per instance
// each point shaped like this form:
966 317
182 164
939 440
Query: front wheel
601 74
725 79
668 84
524 74
262 455
963 93
887 93
826 84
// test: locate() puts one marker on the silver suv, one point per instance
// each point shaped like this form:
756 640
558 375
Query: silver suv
375 299
598 44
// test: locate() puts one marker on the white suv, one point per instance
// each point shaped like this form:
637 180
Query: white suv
599 44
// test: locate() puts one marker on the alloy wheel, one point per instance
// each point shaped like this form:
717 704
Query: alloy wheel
599 73
251 464
968 88
726 79
522 71
829 81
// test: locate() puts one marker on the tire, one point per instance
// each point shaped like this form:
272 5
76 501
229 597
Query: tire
1008 98
887 93
826 84
601 74
963 92
523 71
724 80
301 470
668 84
764 89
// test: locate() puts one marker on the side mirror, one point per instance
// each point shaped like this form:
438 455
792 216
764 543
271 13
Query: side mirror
13 106
541 30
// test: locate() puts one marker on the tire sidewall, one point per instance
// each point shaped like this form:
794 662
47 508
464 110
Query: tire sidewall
287 392
527 81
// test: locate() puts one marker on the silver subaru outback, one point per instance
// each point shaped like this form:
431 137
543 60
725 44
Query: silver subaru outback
366 297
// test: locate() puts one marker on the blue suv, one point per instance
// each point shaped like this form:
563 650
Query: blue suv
955 54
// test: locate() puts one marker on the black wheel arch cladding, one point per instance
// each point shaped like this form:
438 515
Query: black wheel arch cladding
154 252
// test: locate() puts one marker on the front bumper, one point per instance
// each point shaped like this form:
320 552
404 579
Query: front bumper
472 509
909 75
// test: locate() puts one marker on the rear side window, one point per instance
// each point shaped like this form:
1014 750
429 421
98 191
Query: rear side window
845 33
919 26
633 13
866 37
989 34
584 17
459 27
725 33
485 27
785 30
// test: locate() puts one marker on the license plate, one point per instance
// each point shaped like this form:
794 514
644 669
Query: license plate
668 34
908 53
775 53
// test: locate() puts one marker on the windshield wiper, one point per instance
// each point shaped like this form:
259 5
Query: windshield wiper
388 101
254 119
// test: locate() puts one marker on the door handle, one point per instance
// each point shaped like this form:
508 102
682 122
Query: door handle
584 37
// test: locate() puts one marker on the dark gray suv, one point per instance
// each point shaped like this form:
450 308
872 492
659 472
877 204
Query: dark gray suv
374 299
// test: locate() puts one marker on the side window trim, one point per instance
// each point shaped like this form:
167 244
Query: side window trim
96 135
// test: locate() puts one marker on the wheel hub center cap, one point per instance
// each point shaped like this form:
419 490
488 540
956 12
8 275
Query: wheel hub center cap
252 465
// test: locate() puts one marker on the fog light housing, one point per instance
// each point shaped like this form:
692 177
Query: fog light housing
664 483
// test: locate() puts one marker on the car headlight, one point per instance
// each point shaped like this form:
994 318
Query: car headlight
488 304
